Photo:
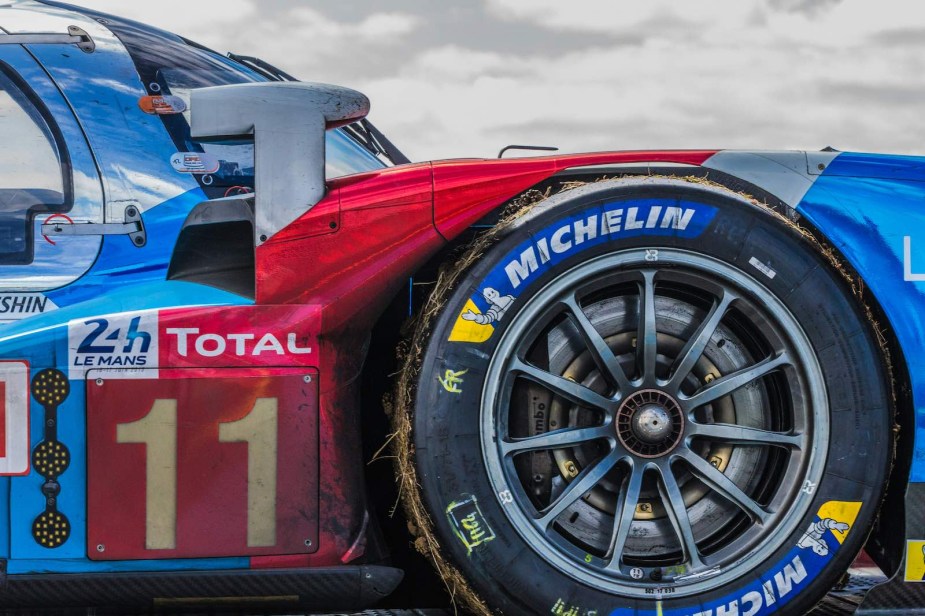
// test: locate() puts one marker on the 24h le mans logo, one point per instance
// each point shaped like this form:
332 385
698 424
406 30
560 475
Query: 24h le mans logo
116 344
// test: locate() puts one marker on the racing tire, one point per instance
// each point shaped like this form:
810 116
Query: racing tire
651 396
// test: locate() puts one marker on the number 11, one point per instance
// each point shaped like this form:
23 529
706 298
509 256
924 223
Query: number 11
158 432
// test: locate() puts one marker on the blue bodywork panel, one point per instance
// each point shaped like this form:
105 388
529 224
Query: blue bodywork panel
94 100
867 205
46 340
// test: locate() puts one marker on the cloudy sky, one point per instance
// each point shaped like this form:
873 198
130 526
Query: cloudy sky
465 77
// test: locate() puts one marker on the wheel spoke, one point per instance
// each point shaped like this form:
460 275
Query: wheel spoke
698 342
715 479
727 384
603 356
646 336
586 479
677 513
741 435
623 518
577 393
637 402
556 439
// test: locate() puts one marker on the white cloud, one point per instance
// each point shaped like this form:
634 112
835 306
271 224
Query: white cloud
314 26
180 16
381 25
658 95
616 17
299 37
785 28
715 73
456 64
718 75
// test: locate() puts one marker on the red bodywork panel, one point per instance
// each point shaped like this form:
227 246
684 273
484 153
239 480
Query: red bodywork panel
348 256
392 220
465 190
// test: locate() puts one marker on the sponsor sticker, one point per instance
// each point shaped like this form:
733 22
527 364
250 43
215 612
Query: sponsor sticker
194 162
162 104
137 344
14 418
915 560
565 238
239 336
765 269
192 342
817 545
118 345
15 306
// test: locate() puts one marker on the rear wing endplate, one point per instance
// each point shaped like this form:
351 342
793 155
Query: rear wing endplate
287 121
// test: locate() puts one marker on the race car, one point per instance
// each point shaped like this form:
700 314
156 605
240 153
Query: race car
654 383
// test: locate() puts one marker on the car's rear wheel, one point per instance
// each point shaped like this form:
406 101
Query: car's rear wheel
651 396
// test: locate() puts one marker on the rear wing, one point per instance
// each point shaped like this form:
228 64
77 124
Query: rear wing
287 121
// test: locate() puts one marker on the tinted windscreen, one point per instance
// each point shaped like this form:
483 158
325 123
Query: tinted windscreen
32 169
169 65
236 158
343 155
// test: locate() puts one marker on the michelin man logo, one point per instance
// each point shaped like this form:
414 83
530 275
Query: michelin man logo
476 322
498 305
812 538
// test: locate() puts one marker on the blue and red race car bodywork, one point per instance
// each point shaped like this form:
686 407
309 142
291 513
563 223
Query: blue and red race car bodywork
139 383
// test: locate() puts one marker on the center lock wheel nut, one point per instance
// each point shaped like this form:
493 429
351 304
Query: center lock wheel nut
650 423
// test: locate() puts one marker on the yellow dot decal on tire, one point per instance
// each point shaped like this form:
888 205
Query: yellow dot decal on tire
466 330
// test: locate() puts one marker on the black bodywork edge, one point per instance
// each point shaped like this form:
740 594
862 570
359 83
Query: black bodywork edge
318 588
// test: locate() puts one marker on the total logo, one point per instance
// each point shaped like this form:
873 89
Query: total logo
141 344
244 336
189 340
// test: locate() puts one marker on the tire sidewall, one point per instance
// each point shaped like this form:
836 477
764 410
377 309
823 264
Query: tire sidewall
502 567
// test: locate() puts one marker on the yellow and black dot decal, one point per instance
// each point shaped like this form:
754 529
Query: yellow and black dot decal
50 388
51 529
50 458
